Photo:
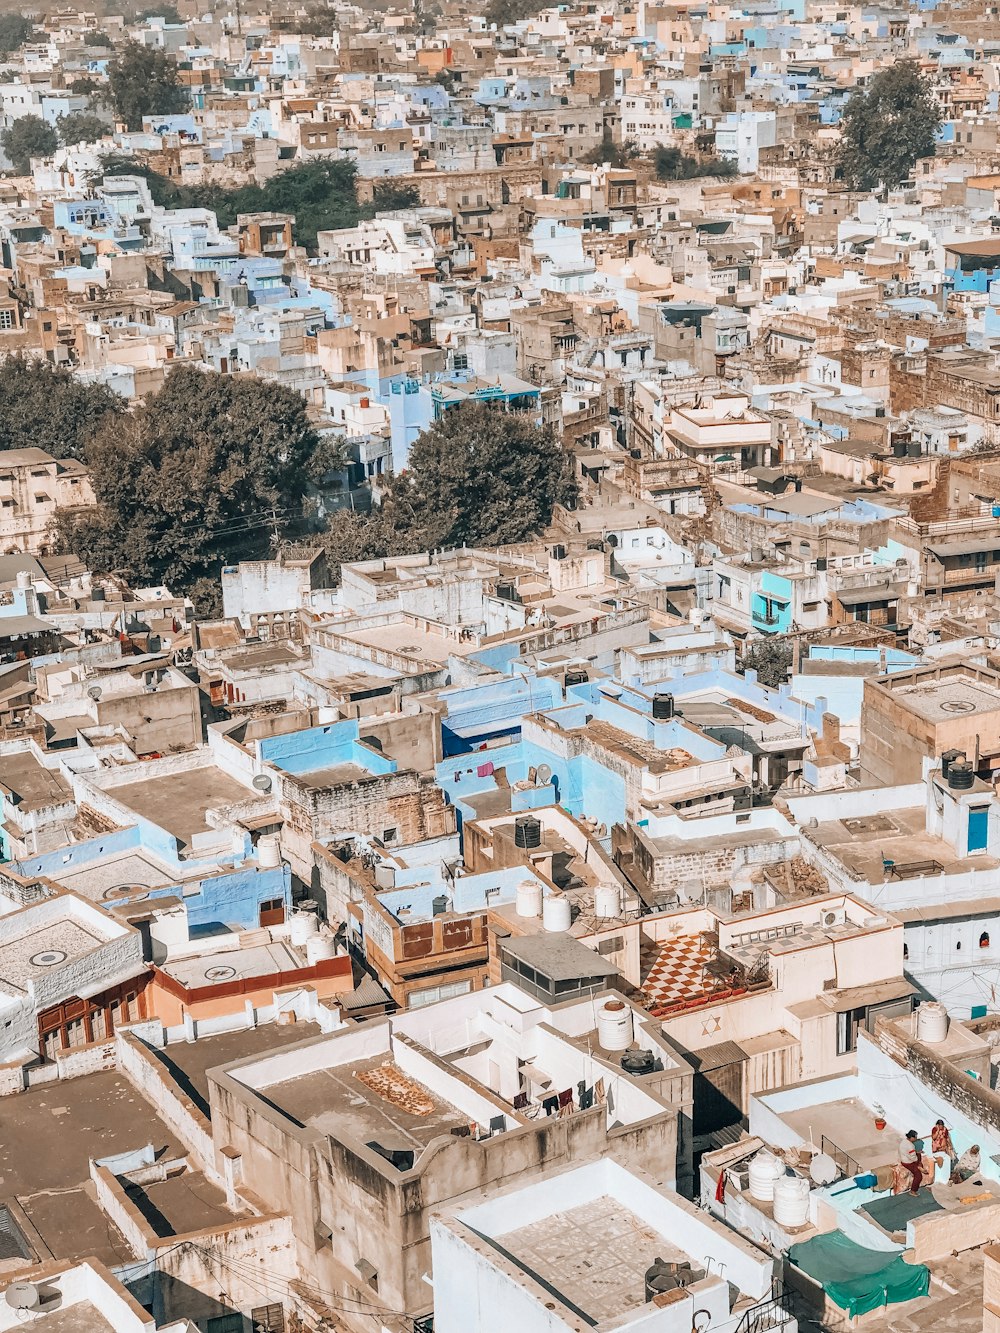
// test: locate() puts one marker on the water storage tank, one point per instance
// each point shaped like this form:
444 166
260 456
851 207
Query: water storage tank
932 1022
556 913
527 831
765 1169
269 851
529 898
319 948
607 900
696 616
614 1025
961 774
948 758
302 927
663 707
791 1201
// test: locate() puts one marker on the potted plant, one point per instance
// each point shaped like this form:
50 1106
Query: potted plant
879 1117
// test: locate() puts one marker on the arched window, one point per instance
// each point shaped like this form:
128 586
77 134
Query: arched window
984 940
958 944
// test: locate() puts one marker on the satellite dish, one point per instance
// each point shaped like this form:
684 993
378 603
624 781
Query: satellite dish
22 1296
823 1169
95 692
543 774
262 782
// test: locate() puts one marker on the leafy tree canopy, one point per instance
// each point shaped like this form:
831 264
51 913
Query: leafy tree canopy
28 137
771 659
479 476
670 164
887 126
615 154
15 30
194 477
97 38
143 82
321 195
42 407
81 127
167 12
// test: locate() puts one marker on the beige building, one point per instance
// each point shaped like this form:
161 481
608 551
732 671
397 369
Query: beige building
33 485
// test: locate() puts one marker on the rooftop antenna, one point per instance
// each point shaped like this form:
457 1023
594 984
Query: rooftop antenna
262 782
94 692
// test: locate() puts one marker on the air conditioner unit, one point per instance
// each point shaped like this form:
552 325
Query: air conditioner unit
836 916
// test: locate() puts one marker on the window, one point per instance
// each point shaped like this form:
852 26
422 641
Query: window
848 1024
984 940
389 834
6 319
268 1319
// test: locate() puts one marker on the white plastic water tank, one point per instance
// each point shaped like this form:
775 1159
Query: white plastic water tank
932 1022
302 927
269 851
529 898
765 1169
607 900
614 1025
791 1201
556 913
320 947
696 615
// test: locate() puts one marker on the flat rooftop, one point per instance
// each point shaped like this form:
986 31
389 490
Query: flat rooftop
188 1062
42 950
865 843
850 1124
49 1135
941 700
368 1100
32 783
120 874
212 969
596 1253
79 1318
182 1203
179 802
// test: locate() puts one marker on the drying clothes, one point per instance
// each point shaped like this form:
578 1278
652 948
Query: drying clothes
565 1098
484 770
520 1101
599 1092
586 1099
550 1105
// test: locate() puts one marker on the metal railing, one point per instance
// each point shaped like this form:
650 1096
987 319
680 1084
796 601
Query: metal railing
774 1312
846 1164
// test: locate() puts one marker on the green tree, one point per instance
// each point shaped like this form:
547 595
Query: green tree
887 126
771 659
167 12
47 408
97 38
615 154
81 127
479 476
143 82
28 137
670 164
197 475
15 30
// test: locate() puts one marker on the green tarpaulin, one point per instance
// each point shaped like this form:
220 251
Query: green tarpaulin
856 1279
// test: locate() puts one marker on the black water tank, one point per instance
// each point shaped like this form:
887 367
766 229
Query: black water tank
439 904
961 774
576 678
821 564
659 1278
663 707
527 831
558 553
638 1062
948 758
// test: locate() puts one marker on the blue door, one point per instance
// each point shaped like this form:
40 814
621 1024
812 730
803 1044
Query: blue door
978 821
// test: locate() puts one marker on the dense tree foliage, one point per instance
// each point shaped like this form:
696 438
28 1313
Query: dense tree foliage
771 659
28 137
194 477
81 127
479 476
670 164
320 194
615 154
168 13
45 408
143 82
502 12
887 126
15 30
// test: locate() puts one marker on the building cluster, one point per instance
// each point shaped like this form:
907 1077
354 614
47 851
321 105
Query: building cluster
556 936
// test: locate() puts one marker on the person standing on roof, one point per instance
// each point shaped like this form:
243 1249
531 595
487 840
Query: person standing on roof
910 1158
